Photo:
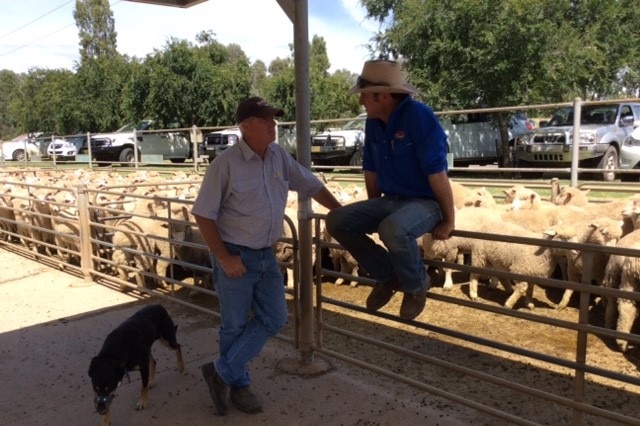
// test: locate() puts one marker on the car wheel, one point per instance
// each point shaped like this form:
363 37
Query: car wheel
127 155
178 160
609 162
356 160
19 155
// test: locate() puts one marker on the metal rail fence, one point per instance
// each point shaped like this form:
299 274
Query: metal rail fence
90 253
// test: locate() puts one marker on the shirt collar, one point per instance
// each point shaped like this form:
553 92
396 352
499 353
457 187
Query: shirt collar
247 152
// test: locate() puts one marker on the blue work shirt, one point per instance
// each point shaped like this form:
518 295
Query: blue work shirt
247 195
412 146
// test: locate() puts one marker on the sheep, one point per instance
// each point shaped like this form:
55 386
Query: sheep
64 219
452 250
185 232
538 217
342 260
623 272
43 225
479 197
521 193
134 238
7 220
460 194
571 196
524 259
604 231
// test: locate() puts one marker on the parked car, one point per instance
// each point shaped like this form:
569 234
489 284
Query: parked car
519 125
68 147
630 156
20 148
340 147
119 146
214 143
287 139
603 128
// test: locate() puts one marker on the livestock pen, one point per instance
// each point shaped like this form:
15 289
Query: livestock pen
541 366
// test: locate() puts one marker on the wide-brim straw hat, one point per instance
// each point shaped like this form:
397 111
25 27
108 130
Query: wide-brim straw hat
381 76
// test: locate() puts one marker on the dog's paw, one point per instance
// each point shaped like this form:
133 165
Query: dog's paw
141 405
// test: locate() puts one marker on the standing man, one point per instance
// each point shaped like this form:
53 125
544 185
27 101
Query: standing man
405 172
240 213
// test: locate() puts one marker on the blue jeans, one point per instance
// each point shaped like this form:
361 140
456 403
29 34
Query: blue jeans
398 221
261 291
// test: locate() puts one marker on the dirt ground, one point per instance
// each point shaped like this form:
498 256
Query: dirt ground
550 340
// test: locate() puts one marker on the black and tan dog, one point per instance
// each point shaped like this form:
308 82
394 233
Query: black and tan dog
128 348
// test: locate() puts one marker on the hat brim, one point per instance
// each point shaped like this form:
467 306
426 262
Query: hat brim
383 89
269 112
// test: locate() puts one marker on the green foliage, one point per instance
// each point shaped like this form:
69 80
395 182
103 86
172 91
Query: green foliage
467 53
328 92
9 84
96 29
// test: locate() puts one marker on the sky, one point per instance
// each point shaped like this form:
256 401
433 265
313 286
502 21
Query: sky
43 34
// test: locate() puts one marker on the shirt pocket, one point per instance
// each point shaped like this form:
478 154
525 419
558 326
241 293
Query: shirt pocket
402 148
246 194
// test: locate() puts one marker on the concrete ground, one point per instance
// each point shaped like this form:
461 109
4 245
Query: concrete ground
54 323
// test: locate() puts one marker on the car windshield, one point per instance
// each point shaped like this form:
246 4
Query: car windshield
357 124
143 125
591 114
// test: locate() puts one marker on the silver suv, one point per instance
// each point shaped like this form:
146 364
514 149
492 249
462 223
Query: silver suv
603 128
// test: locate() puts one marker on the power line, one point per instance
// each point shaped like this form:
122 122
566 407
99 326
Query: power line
46 35
37 19
33 41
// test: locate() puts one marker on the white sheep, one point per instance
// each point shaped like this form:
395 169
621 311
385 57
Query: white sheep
623 272
522 259
135 238
454 249
185 232
460 194
603 231
479 197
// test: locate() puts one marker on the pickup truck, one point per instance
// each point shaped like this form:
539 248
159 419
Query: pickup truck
341 147
603 128
119 146
214 143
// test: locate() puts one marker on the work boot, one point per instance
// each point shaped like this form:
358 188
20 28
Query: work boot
413 303
217 388
244 400
381 294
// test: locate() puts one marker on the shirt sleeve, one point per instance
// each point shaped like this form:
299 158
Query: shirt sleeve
212 190
301 179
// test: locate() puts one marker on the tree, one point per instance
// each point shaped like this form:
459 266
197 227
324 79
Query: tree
8 87
329 98
96 29
185 84
466 53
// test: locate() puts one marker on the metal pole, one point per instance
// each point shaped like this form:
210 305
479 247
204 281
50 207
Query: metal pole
303 151
135 148
89 148
85 231
577 111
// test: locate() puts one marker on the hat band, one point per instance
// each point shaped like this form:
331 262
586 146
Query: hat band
361 83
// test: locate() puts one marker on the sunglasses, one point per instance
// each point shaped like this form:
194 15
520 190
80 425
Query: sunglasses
361 83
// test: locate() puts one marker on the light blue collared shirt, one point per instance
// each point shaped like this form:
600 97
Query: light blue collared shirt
247 195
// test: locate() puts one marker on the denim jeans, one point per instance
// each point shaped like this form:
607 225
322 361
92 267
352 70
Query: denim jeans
398 221
261 292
